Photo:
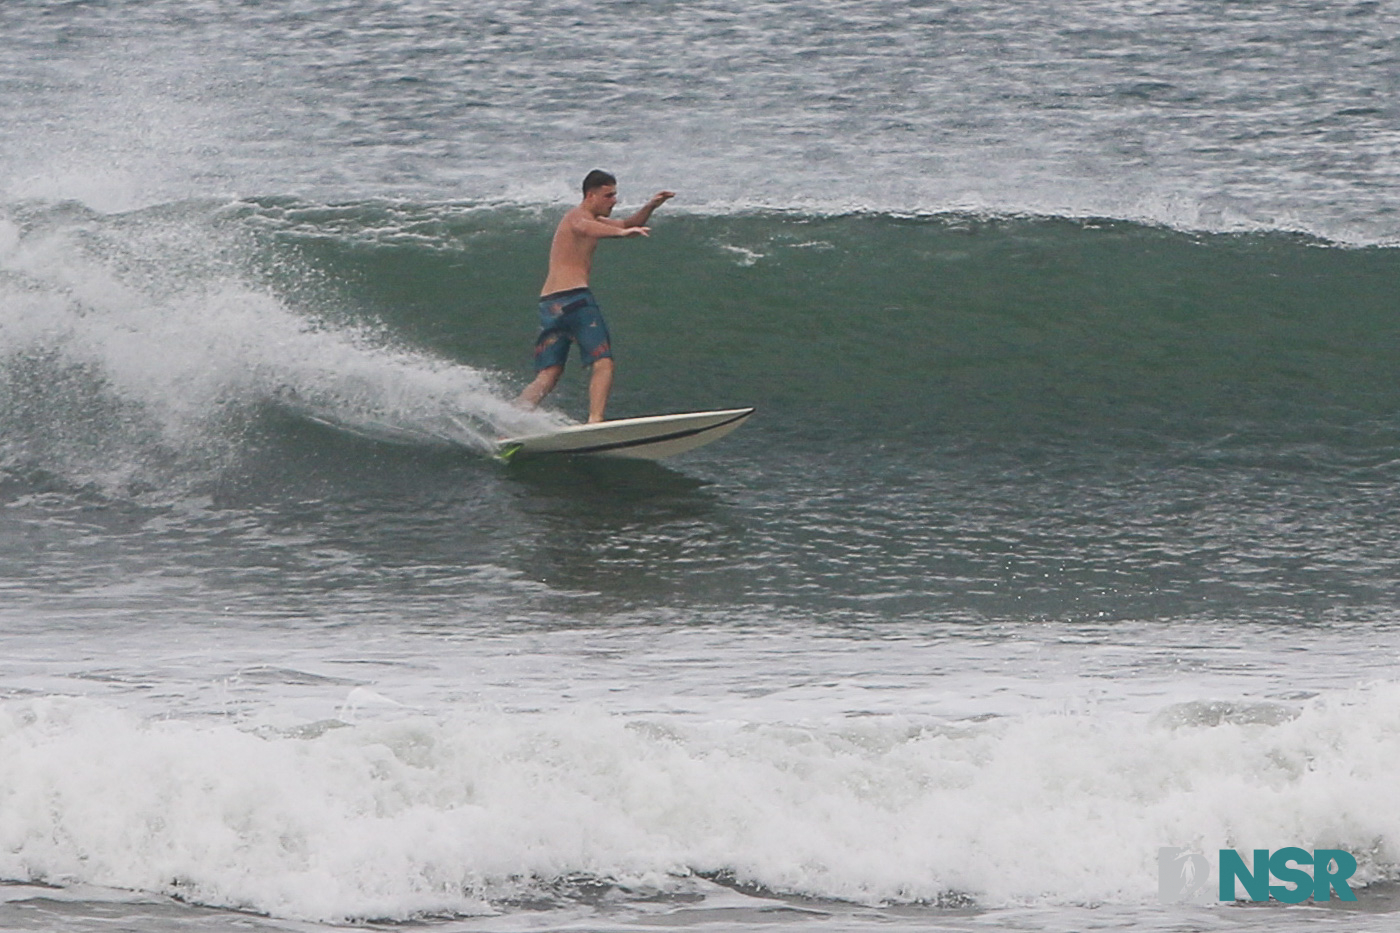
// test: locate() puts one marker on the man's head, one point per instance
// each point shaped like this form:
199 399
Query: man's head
600 192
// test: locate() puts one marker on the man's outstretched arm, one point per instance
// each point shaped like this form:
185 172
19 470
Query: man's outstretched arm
640 218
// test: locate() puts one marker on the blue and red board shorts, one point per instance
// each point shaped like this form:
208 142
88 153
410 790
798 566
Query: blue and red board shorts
566 318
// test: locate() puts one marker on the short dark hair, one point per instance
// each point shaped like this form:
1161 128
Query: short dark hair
597 179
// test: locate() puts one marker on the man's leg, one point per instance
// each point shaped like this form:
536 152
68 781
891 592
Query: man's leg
544 384
599 386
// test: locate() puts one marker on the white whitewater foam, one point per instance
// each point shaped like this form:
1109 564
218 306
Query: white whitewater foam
142 343
410 815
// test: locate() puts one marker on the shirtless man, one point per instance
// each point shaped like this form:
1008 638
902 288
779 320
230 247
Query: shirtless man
568 312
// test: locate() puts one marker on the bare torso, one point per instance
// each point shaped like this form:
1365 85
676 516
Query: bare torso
571 253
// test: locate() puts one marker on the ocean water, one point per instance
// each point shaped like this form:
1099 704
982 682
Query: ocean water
1068 527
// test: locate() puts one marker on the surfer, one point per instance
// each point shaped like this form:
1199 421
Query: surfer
568 312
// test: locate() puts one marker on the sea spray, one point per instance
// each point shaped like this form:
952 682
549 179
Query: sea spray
139 349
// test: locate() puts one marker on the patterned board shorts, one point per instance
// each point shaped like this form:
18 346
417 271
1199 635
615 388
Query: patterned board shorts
566 318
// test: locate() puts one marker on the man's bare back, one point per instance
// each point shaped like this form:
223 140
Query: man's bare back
570 263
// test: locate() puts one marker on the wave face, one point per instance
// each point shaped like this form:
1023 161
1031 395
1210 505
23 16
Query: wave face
853 330
908 330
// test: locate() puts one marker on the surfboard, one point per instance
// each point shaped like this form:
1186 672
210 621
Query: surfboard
648 438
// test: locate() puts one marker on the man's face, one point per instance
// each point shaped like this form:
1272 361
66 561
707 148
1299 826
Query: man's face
603 200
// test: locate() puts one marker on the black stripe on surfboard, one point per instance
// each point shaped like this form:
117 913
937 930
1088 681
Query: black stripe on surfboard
642 442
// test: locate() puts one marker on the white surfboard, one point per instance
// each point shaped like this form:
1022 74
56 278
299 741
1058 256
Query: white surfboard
649 438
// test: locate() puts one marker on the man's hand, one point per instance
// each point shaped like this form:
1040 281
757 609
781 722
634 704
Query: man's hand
639 219
635 231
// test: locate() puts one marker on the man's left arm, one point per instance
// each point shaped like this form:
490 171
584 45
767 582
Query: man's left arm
640 218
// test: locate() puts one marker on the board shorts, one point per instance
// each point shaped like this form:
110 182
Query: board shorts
566 318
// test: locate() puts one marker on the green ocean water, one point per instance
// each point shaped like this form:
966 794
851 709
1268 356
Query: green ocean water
922 333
